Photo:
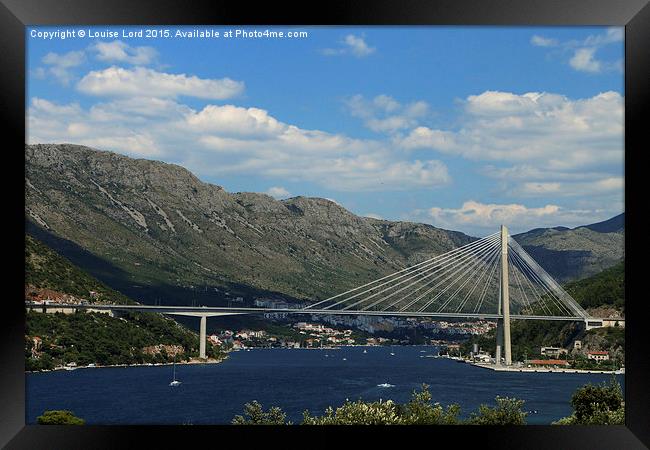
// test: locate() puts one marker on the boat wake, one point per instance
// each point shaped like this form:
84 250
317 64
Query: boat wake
385 385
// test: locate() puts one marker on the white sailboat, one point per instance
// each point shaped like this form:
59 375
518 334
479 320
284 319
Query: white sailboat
174 382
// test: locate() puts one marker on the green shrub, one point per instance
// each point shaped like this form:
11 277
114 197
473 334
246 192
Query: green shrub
596 405
59 417
507 412
257 416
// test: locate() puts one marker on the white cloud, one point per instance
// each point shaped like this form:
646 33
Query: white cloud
358 46
423 137
541 41
543 144
604 185
583 60
373 216
118 51
351 45
481 219
539 129
217 141
49 122
612 35
278 192
583 52
384 114
59 65
229 120
117 81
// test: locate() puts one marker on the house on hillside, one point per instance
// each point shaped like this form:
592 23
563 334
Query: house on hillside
598 355
553 351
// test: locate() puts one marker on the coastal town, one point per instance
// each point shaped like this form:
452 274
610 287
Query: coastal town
330 331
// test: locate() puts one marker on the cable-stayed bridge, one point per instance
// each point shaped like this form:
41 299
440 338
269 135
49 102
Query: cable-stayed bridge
491 278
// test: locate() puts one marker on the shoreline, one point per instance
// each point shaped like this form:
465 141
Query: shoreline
184 363
488 366
542 369
208 361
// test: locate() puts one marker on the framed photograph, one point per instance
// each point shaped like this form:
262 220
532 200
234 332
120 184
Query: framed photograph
409 214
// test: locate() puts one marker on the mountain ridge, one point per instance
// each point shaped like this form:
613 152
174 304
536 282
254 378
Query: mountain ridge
159 223
156 224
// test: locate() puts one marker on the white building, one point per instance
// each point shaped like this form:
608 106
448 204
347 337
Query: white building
598 355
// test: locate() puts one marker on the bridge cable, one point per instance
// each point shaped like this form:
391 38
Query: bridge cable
474 270
549 295
429 268
403 308
423 263
435 271
524 268
564 295
486 270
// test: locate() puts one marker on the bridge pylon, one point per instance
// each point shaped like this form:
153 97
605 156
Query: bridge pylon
503 323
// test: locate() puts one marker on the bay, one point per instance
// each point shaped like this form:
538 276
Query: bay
294 380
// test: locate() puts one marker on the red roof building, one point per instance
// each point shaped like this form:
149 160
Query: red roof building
598 355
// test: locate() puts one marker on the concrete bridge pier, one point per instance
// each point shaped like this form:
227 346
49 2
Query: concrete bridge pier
202 337
202 326
499 348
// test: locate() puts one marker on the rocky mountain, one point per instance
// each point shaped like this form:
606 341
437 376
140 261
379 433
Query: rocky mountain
575 253
154 231
158 234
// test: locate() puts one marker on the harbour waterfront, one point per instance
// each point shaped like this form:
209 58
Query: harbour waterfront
294 380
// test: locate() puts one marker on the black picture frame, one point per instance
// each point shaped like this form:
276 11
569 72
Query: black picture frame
15 15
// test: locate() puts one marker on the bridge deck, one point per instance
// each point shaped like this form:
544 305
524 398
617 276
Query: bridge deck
219 310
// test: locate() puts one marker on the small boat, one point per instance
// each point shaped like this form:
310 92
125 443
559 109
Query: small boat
385 385
345 359
365 351
175 382
392 354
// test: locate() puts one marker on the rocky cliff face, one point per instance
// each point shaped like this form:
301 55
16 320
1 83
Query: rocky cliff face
570 254
157 224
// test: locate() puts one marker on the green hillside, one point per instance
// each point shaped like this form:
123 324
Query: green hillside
604 289
46 269
96 338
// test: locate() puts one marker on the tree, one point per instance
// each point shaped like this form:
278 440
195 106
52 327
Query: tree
596 405
59 417
420 411
507 412
257 416
358 413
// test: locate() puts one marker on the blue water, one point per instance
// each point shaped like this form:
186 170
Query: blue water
294 380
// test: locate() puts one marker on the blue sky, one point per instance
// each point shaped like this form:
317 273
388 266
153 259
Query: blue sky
461 127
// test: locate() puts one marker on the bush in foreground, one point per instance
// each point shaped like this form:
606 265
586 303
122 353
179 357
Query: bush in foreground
59 417
507 412
596 405
418 411
255 415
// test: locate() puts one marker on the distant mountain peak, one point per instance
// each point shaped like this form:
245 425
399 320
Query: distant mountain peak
613 225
